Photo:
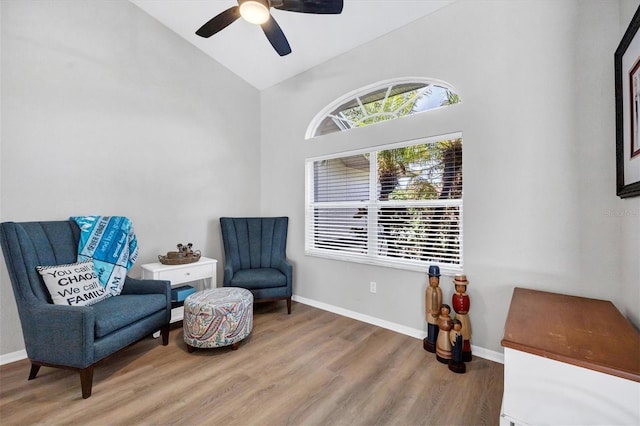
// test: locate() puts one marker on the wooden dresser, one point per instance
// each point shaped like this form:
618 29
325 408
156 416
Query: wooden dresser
569 360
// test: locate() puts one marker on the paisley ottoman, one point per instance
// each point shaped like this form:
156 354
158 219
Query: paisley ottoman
217 317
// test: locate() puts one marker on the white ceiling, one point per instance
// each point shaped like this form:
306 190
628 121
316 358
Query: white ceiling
243 48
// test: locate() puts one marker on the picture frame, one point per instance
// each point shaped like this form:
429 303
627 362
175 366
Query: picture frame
627 88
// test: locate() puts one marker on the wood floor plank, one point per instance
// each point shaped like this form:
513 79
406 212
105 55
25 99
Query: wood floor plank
309 368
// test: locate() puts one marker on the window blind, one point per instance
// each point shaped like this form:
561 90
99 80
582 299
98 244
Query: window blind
398 206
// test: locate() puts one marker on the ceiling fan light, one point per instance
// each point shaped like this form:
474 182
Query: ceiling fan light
255 11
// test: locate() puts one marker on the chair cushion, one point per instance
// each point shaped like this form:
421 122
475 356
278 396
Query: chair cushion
123 310
74 284
258 278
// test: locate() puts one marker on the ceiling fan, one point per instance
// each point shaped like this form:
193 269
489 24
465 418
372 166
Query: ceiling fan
257 12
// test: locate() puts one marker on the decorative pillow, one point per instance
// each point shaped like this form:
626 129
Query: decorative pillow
75 284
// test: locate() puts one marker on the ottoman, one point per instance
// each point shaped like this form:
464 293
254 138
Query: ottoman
217 317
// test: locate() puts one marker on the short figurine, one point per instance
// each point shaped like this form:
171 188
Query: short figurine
432 302
455 337
443 344
461 303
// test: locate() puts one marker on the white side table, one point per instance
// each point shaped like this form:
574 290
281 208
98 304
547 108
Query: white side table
203 270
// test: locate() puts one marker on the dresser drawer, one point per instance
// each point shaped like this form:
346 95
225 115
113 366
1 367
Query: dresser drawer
204 269
182 275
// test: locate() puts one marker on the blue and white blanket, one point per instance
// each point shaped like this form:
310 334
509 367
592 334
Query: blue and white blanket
112 244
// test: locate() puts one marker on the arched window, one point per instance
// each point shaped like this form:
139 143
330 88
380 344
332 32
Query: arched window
382 101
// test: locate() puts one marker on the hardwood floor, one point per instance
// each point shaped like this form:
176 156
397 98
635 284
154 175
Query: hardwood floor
309 368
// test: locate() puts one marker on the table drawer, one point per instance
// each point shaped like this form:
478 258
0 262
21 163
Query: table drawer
183 275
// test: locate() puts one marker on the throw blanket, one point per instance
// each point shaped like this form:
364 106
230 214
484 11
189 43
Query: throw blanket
112 244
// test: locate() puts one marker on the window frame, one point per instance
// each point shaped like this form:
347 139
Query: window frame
355 95
373 205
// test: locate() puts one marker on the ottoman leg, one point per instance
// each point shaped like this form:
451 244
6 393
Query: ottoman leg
235 346
190 348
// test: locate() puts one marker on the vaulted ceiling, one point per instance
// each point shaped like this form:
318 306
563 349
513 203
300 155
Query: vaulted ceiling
243 48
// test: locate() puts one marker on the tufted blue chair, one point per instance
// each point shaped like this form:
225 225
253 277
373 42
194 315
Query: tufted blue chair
255 257
75 337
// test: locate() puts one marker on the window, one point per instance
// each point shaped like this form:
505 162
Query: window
383 101
396 206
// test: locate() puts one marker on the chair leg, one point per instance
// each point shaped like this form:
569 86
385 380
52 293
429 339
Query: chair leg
34 371
86 377
164 331
288 305
86 381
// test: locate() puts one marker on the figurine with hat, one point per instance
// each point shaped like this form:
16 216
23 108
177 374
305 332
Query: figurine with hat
461 304
432 302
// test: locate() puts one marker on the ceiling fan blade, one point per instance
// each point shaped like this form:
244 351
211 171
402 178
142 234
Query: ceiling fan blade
219 22
309 6
276 37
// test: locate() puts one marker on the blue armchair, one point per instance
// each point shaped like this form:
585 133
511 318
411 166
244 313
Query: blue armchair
75 337
255 257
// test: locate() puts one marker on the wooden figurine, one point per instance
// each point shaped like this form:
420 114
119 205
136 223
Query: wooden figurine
432 302
461 303
443 344
455 337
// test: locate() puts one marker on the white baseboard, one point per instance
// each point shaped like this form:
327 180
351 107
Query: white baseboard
13 357
399 328
402 329
487 354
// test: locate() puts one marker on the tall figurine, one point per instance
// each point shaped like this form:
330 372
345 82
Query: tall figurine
460 302
455 337
443 344
432 302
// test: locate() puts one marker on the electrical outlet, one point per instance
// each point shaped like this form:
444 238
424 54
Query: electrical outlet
372 286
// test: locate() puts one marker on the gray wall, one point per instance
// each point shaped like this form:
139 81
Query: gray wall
105 111
540 210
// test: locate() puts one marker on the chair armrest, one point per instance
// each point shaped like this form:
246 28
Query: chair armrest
60 334
285 267
228 274
139 286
